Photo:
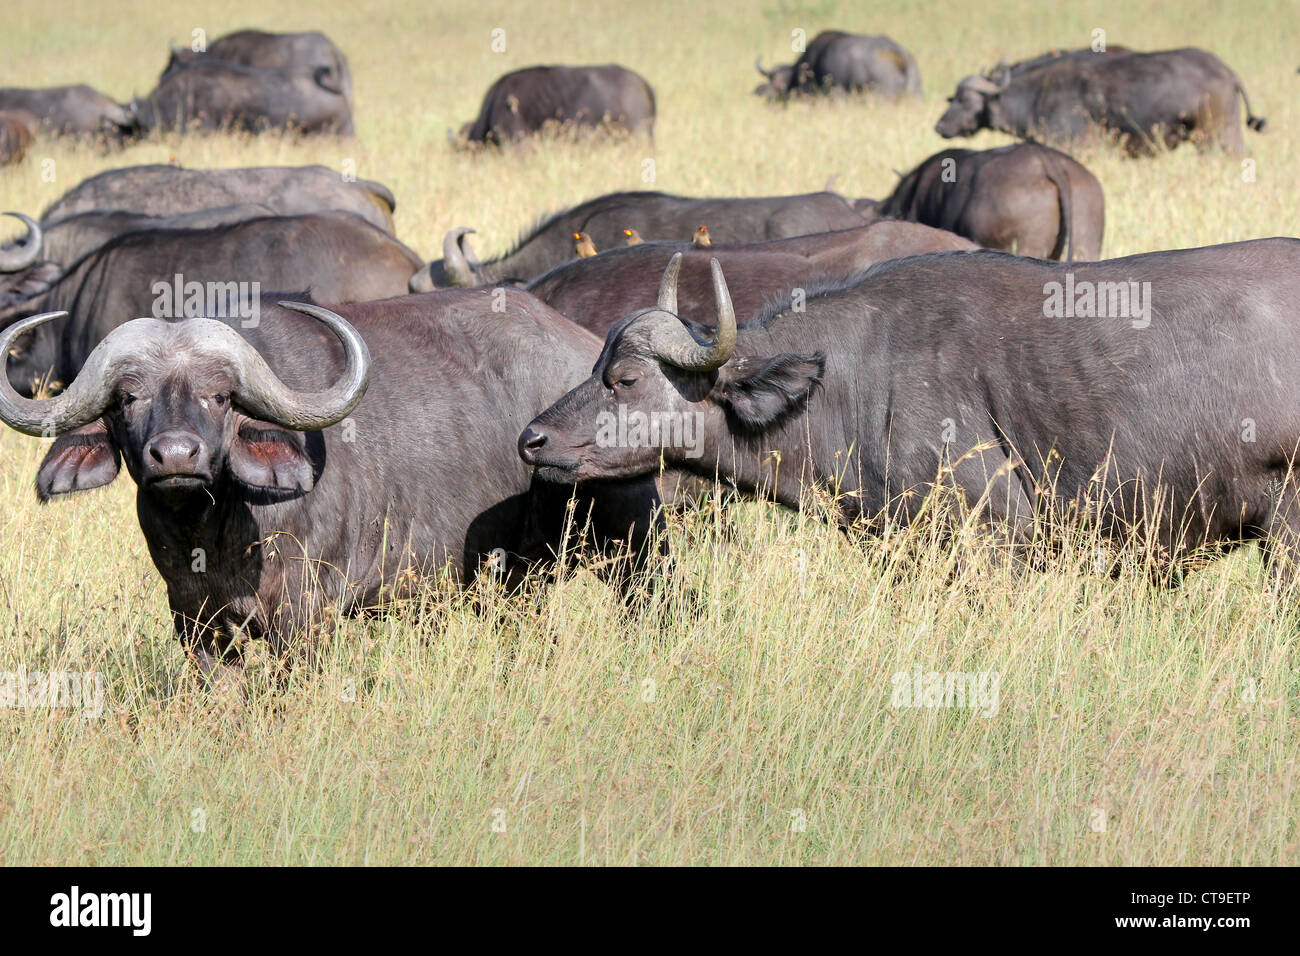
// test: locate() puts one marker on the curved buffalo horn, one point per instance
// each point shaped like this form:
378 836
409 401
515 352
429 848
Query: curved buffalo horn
26 252
980 84
758 65
257 388
673 343
475 266
454 260
262 393
80 404
668 285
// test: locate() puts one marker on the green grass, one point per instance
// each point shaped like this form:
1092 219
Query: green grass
754 723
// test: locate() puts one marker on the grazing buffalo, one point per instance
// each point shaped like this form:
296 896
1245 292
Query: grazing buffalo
837 62
1026 386
216 95
607 220
209 272
72 110
18 128
1024 198
522 102
297 470
306 52
1140 98
595 292
163 190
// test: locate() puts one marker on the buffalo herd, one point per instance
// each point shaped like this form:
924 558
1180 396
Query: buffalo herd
962 334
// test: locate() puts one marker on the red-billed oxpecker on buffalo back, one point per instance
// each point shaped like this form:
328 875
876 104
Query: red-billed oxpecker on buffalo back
595 292
606 219
1140 99
1025 198
1021 384
583 247
296 470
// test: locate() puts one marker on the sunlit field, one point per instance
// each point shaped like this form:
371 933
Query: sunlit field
749 713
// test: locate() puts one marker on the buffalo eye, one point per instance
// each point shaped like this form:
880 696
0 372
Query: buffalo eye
127 399
220 400
627 382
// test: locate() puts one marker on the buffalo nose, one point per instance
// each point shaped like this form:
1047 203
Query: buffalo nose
174 453
530 443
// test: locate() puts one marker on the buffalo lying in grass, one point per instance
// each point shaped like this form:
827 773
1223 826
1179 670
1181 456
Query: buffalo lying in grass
216 95
838 62
76 110
304 52
525 101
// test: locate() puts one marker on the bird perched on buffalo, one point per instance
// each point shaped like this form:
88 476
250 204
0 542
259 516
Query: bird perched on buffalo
584 247
633 237
701 237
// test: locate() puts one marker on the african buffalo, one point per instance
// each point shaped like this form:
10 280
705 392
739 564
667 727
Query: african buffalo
18 128
72 110
297 470
69 239
209 272
216 95
1023 385
164 190
279 51
1024 198
606 219
595 292
522 102
838 62
1141 98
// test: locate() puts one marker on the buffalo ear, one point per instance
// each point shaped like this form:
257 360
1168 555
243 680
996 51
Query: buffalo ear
267 457
779 387
997 115
82 459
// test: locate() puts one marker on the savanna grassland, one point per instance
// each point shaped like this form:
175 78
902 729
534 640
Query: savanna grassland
747 715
